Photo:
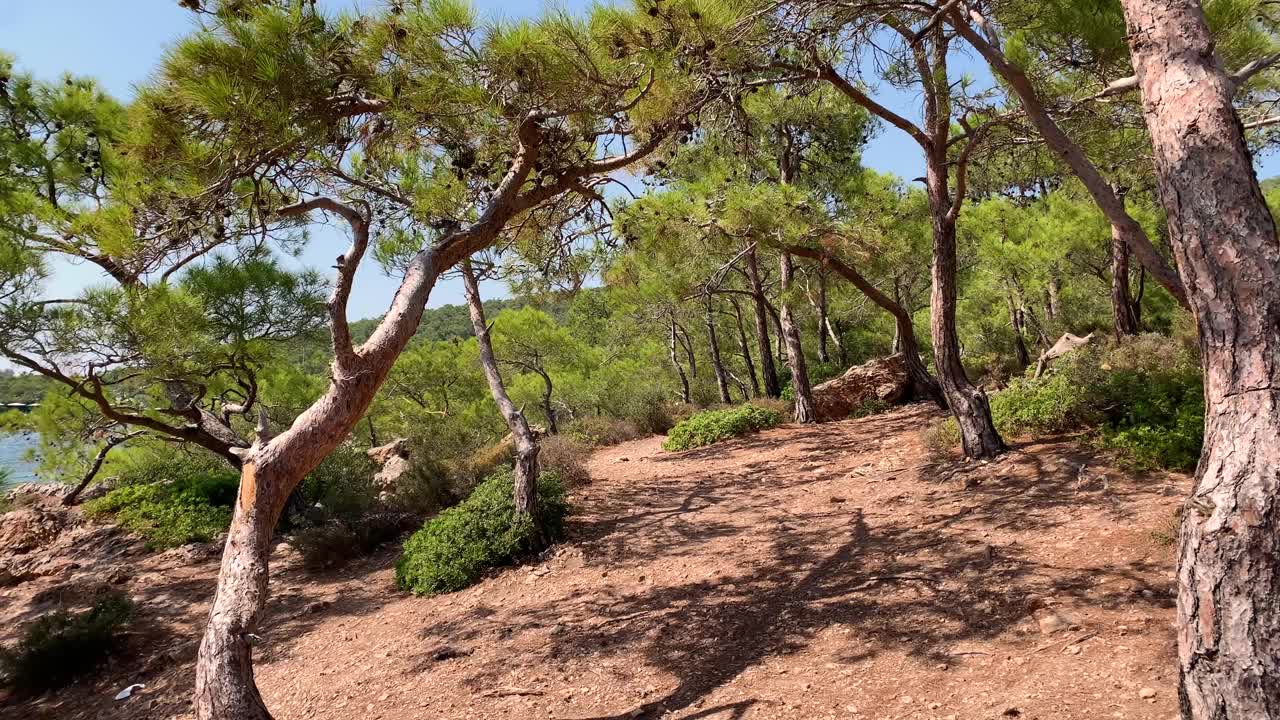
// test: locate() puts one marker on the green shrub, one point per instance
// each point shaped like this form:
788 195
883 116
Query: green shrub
61 645
171 502
941 437
713 426
337 542
455 548
1144 397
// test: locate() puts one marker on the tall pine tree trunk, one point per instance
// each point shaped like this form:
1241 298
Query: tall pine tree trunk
745 345
1227 250
768 371
804 411
717 363
968 403
1019 340
1122 316
525 475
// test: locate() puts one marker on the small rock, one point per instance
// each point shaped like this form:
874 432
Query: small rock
905 700
1146 693
1051 622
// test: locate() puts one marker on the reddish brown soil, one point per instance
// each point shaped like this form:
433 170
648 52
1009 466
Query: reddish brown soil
827 571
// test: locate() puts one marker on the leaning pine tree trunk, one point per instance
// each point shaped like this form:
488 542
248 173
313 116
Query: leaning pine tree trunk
803 411
1227 250
525 476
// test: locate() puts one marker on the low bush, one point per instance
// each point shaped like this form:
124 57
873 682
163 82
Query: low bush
566 457
455 548
712 426
784 408
337 542
60 646
171 501
602 431
1144 397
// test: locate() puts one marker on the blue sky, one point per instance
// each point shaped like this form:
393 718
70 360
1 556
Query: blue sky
119 42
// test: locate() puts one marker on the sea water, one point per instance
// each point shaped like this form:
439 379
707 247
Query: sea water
13 451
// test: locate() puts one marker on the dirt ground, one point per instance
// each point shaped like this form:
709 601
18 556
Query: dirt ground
830 571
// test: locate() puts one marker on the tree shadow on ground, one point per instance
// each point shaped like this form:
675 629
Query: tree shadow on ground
926 586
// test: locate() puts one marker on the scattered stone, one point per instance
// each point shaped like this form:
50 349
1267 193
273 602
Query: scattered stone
1051 622
1146 693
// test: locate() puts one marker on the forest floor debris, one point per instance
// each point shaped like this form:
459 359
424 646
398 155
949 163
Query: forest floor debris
719 583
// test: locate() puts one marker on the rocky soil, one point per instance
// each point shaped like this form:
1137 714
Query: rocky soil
831 571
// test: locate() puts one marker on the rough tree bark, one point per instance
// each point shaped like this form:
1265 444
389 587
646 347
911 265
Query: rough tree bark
525 475
717 363
968 402
745 345
988 44
1227 249
803 411
1122 317
768 372
925 384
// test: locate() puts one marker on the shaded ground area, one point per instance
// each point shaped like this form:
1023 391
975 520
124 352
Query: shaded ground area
829 571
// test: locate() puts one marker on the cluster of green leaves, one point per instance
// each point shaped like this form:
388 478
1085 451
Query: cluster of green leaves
61 645
1145 397
171 501
712 426
455 548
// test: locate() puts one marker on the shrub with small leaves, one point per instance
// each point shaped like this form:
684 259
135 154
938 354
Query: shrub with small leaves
1143 397
60 646
712 426
171 502
455 548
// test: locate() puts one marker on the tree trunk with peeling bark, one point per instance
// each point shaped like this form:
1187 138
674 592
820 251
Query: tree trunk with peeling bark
1229 255
768 371
525 474
803 411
